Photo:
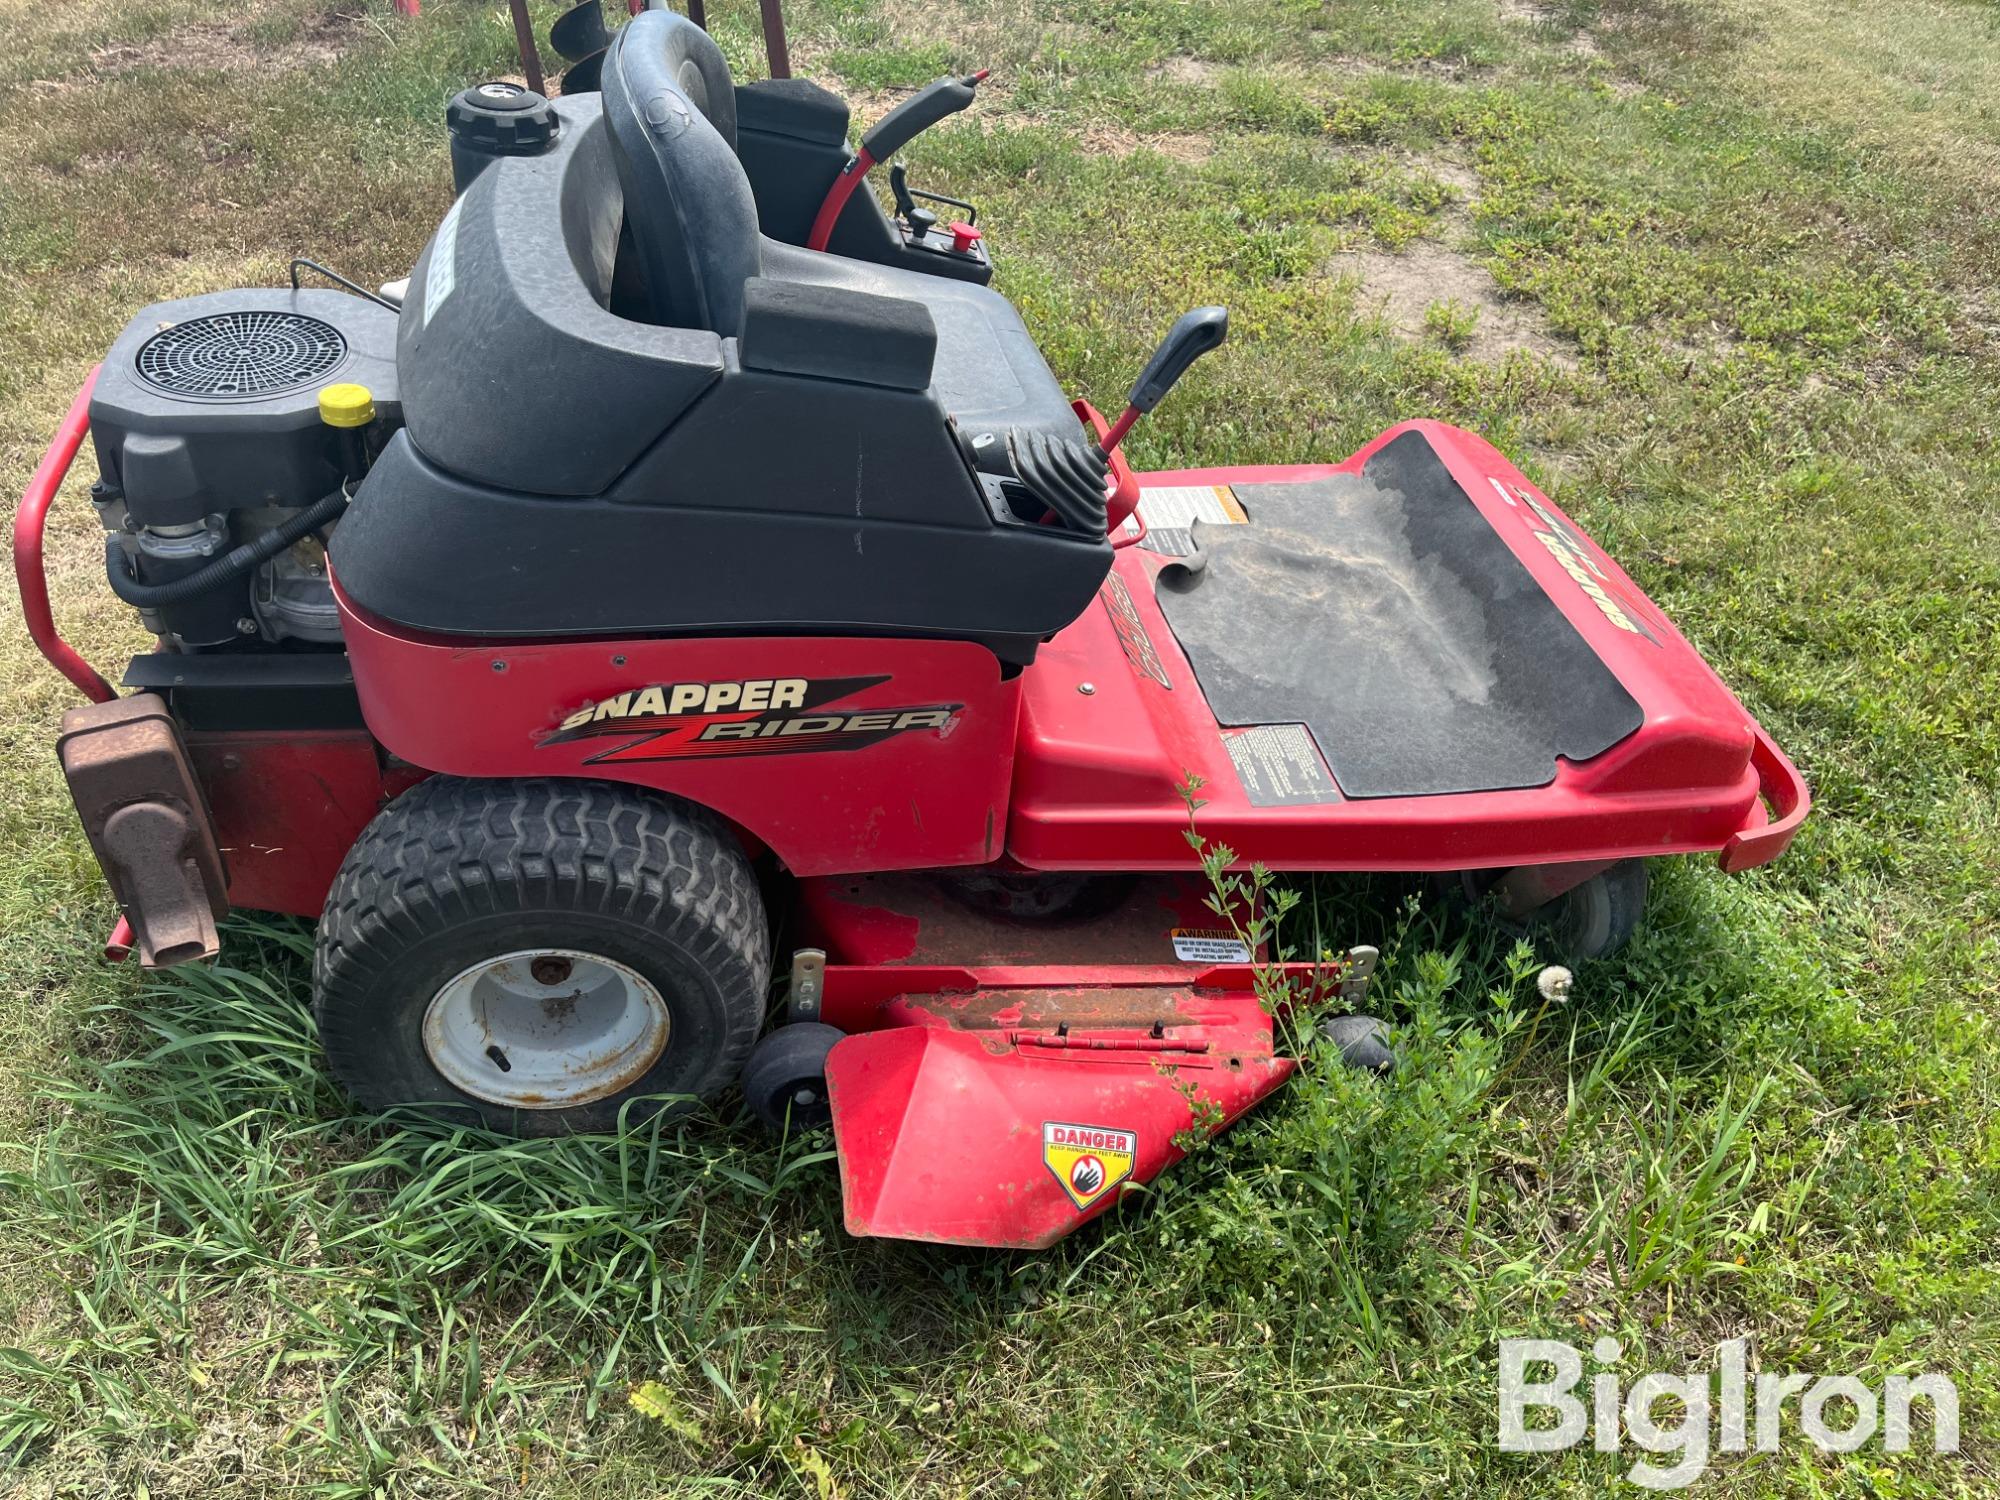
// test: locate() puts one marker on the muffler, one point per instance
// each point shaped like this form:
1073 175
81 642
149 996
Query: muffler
148 823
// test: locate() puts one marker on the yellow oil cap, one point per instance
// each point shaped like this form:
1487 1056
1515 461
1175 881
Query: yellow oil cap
346 405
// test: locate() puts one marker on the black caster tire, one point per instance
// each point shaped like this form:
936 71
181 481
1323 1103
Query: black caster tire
1597 918
784 1083
1592 920
532 955
1363 1042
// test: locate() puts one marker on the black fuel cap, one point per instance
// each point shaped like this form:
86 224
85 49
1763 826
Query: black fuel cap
496 119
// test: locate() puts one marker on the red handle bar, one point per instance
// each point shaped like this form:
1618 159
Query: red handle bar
1785 789
28 570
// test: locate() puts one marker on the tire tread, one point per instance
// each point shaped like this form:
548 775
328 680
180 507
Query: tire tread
451 850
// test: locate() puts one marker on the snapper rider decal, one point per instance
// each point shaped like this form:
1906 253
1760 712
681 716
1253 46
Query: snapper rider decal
1574 558
743 716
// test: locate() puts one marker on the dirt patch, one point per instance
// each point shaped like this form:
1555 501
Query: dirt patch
1189 70
1100 138
1455 173
98 163
211 46
1402 287
1580 44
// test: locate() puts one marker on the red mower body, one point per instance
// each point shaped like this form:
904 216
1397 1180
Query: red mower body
924 754
999 1083
906 695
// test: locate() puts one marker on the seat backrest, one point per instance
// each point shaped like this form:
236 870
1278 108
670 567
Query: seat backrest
687 201
701 70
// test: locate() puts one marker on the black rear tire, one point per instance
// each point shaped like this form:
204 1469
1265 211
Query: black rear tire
457 872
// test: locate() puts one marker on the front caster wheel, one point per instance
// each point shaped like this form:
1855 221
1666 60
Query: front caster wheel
1363 1042
784 1082
1591 920
532 956
1597 918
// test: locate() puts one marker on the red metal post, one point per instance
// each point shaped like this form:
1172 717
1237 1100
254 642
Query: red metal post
28 571
774 35
524 43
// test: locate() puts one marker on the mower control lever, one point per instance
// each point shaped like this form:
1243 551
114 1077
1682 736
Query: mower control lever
933 102
890 134
1192 336
921 220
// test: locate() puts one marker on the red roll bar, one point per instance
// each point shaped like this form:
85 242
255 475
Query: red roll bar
28 570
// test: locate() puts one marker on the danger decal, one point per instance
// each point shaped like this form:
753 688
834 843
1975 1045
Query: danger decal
1088 1160
742 717
1567 548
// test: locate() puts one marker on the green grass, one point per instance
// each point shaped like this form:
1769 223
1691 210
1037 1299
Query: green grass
1757 246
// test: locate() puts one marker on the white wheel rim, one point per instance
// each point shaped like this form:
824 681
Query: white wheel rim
545 1028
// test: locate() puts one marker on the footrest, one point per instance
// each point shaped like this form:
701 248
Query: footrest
1383 612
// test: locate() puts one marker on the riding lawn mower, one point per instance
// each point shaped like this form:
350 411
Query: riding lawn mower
693 577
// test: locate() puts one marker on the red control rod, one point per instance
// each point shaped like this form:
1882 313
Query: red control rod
1115 433
836 199
29 573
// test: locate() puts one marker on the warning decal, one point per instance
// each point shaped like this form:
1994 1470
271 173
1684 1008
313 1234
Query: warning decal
1088 1160
1280 766
442 276
1171 510
1198 945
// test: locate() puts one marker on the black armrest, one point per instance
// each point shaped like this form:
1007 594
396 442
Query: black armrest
794 329
792 107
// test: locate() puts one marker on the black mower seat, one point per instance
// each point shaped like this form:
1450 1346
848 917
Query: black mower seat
694 225
743 438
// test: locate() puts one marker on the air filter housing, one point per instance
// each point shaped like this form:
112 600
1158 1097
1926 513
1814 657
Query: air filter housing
221 356
210 404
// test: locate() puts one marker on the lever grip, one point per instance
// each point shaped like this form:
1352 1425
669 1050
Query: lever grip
916 114
1192 336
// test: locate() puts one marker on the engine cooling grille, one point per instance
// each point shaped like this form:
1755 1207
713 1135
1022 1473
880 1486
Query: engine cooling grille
235 354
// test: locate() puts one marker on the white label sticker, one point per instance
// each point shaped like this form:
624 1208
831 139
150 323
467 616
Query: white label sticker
1194 945
1170 511
1280 766
443 273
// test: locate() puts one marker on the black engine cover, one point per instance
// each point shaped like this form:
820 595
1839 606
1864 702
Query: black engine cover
211 403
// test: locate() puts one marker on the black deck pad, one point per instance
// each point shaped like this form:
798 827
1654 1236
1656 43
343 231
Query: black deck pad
1384 613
